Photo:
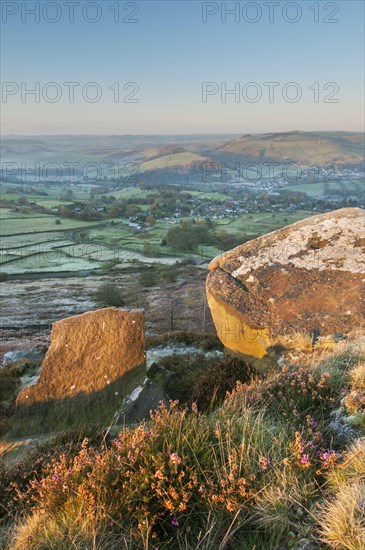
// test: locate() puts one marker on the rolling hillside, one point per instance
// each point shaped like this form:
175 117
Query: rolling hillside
303 147
344 149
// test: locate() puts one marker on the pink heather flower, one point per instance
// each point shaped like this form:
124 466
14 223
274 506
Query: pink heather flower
174 457
174 522
304 459
264 462
326 457
194 407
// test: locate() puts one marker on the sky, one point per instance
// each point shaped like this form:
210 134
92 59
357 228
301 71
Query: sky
168 67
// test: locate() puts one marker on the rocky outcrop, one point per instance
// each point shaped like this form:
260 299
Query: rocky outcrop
303 281
88 353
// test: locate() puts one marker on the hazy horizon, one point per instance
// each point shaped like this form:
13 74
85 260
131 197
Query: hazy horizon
174 68
200 134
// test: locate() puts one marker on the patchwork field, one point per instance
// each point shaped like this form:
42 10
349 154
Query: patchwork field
176 159
38 242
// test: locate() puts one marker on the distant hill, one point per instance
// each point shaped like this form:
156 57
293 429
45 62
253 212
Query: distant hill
303 147
165 152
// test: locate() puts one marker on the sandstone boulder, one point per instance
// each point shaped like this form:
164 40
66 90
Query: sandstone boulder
88 353
283 288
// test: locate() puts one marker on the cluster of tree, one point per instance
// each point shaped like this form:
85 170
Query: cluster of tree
175 175
84 214
188 235
109 295
157 274
226 241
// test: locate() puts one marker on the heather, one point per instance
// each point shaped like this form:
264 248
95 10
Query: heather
266 468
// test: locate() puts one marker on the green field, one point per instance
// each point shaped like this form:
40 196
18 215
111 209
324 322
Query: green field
171 160
35 243
32 241
312 189
317 190
214 195
38 223
261 223
129 193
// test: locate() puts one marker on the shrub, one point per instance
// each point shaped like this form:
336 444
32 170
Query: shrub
109 295
168 273
9 384
207 342
147 278
15 478
165 479
9 387
295 393
211 388
176 374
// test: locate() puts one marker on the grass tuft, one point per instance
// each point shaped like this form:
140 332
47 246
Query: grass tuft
342 523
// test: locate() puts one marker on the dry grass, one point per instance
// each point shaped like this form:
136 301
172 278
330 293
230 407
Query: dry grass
67 532
352 468
279 506
341 517
342 524
357 376
299 341
335 356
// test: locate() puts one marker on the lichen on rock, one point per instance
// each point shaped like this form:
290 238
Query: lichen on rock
307 278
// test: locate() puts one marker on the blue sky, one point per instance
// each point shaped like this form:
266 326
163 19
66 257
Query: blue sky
169 53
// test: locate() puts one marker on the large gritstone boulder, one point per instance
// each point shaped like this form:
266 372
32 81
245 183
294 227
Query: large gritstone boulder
303 281
87 353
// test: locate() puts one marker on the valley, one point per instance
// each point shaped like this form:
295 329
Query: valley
148 213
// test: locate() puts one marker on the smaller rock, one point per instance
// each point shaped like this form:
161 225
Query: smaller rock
20 357
306 544
141 402
340 426
160 376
